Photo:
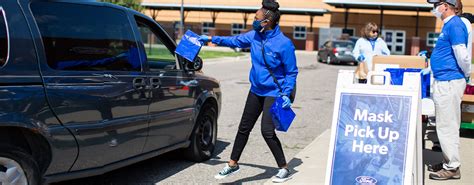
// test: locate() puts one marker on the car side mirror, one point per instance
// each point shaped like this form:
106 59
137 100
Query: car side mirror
194 66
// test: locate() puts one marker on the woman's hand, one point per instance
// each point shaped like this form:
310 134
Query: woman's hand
286 102
204 38
361 58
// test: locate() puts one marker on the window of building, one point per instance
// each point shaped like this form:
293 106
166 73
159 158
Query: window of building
159 57
350 31
3 38
299 32
237 29
431 39
86 38
206 26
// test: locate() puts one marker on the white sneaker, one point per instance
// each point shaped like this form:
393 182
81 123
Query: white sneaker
282 176
228 170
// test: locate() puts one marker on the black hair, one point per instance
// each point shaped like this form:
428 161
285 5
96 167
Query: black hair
271 12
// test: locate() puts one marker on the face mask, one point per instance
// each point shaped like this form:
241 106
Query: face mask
257 25
437 13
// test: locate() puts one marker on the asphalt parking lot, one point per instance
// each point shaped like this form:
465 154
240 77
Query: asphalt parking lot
313 106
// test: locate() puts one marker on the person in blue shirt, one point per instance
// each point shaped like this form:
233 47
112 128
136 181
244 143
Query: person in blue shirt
450 65
279 52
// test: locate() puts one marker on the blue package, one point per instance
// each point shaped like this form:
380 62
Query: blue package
189 46
282 117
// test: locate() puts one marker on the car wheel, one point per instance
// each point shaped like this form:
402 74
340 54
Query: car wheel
319 59
18 167
204 136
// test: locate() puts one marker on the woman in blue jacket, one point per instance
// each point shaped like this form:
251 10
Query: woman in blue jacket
265 39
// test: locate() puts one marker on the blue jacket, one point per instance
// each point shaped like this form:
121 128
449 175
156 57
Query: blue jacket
279 54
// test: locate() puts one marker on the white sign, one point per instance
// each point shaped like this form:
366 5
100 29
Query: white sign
376 132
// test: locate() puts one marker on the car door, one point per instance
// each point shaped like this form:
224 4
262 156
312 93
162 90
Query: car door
94 79
173 90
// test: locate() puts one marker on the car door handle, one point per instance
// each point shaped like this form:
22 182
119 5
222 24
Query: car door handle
139 83
155 83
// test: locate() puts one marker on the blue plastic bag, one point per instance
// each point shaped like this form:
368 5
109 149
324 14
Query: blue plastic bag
397 74
282 117
189 46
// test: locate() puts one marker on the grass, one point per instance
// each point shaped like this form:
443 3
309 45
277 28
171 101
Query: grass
160 53
218 54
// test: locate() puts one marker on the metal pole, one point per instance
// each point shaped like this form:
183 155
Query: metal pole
346 18
381 20
417 22
181 29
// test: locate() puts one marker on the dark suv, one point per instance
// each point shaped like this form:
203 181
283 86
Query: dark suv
88 87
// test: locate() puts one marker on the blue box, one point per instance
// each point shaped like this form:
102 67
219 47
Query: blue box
397 79
189 46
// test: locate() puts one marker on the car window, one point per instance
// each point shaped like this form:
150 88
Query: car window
86 38
159 57
348 45
3 38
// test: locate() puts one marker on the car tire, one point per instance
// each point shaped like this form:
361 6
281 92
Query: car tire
318 58
204 135
14 158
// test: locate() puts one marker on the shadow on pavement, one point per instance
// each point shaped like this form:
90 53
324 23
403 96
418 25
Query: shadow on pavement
432 157
435 157
146 172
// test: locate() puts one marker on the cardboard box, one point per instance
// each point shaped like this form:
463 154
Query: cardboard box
380 63
467 97
467 111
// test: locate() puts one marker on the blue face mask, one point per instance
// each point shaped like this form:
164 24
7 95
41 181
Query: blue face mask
257 25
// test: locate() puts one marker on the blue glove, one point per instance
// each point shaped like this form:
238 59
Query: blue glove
425 71
423 53
468 79
361 58
286 102
204 38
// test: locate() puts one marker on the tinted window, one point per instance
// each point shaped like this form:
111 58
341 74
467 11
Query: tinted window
343 45
158 55
3 39
84 37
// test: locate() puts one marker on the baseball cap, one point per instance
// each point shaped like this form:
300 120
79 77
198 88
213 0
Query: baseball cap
451 2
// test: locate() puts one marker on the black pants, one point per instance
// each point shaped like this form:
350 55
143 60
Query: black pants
253 108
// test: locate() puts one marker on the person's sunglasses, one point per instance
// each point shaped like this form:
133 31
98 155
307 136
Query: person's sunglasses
438 4
375 31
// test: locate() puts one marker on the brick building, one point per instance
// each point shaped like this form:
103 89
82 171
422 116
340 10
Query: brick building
407 25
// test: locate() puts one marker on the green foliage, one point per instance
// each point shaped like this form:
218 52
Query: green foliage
133 4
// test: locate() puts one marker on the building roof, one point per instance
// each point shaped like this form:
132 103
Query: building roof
241 9
373 4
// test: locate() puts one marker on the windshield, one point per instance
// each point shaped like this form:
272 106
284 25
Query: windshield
343 44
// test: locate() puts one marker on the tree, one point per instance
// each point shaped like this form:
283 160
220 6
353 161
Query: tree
133 4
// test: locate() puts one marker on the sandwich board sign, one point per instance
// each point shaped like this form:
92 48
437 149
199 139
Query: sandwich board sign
376 132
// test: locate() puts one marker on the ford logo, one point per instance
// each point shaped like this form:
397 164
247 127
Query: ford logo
366 180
